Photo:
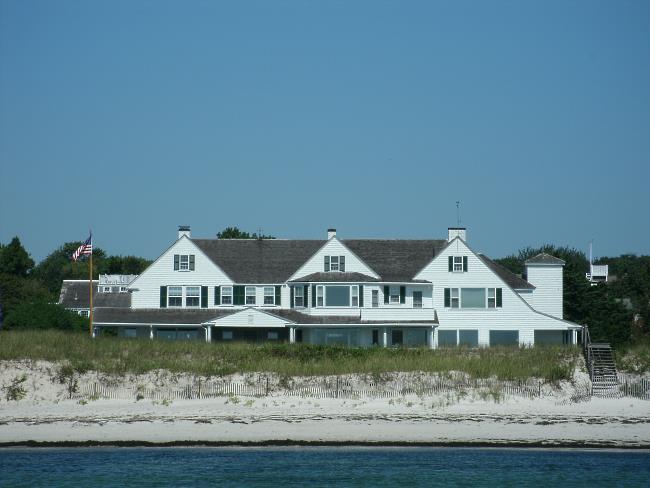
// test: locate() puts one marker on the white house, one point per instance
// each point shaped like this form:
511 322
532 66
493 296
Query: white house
358 292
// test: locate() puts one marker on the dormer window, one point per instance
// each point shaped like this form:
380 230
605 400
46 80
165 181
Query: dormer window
184 262
458 264
335 263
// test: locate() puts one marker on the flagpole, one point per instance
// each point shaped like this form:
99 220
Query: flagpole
90 281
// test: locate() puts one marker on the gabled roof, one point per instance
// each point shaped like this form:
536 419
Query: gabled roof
263 261
396 260
171 316
335 277
74 294
511 279
543 258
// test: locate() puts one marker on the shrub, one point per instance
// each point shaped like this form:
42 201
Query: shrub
44 316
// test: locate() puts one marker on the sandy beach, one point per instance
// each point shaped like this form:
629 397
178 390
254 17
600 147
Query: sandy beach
45 416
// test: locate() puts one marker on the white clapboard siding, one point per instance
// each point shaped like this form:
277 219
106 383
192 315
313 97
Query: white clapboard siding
250 317
395 313
547 296
515 314
333 247
146 293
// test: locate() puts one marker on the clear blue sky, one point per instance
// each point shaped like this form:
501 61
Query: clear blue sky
374 117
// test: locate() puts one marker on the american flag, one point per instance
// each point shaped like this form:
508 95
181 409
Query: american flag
85 248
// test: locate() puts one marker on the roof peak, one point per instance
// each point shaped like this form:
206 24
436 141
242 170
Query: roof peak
546 259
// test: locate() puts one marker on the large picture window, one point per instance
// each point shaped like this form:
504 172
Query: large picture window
192 296
472 298
337 296
175 296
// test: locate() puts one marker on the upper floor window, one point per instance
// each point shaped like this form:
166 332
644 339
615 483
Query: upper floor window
319 296
335 263
394 294
184 262
473 297
269 295
355 296
298 296
174 296
375 298
417 299
226 295
337 296
192 296
250 295
458 264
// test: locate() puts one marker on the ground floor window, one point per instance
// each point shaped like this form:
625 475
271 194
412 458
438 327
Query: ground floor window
396 337
504 338
455 337
177 334
552 337
130 332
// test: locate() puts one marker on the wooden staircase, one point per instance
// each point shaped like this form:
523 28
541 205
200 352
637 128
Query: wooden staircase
604 377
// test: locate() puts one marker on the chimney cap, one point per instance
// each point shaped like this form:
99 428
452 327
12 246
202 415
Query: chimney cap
456 228
331 230
183 227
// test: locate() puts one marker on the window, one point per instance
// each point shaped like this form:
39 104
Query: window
417 299
269 295
273 335
298 296
192 296
397 337
107 289
468 338
183 262
84 313
472 298
375 298
226 335
250 295
175 296
319 296
335 263
337 296
355 296
491 298
447 338
394 294
130 332
226 295
123 289
458 264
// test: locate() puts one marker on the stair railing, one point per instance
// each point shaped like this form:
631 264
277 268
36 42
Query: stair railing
586 349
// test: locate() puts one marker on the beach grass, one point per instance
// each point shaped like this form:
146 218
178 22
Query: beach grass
120 356
634 358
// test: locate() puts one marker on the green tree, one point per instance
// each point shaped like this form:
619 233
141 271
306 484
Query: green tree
235 233
14 259
59 266
132 265
44 316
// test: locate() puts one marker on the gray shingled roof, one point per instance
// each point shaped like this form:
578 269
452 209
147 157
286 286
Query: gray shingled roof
543 258
511 279
157 316
397 260
259 261
301 318
336 277
74 294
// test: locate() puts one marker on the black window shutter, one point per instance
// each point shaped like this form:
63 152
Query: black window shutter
278 296
447 297
464 263
163 297
499 297
217 295
176 260
305 295
291 299
386 293
402 294
191 262
361 296
204 297
313 295
327 263
342 263
451 263
238 295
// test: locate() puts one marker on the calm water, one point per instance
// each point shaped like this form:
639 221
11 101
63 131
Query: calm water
318 466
